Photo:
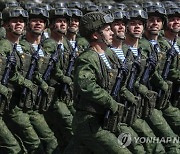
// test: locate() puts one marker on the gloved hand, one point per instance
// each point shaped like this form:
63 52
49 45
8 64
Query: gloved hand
12 59
44 86
67 80
165 86
114 107
3 90
28 84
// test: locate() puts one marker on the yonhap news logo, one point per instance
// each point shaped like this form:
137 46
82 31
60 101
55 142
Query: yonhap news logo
124 139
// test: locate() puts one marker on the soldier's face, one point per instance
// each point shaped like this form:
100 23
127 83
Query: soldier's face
119 28
16 26
154 25
174 24
74 25
107 34
37 25
60 25
135 28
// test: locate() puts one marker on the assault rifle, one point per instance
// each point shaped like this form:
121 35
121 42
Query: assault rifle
6 76
130 109
110 122
29 76
170 56
145 108
53 59
149 66
72 57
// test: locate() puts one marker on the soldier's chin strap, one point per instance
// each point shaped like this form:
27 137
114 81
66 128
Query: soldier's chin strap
102 39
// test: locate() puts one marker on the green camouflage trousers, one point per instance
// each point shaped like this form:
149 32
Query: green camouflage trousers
45 134
143 130
136 148
59 117
8 143
89 133
19 123
172 116
162 129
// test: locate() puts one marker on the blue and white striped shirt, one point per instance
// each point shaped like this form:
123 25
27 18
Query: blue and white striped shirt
19 48
40 52
134 50
177 48
103 56
119 53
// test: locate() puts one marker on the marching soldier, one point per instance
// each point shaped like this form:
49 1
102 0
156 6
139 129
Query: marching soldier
171 31
14 19
139 53
38 21
156 120
94 77
60 114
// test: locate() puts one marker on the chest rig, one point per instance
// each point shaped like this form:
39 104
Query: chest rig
23 62
108 74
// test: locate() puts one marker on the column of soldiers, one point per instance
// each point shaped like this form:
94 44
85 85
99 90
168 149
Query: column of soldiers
75 76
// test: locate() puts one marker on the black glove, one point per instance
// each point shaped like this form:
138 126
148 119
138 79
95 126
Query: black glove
11 59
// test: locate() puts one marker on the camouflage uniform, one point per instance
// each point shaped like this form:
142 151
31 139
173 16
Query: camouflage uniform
148 97
17 120
173 13
93 81
156 120
62 109
8 143
36 113
120 18
140 126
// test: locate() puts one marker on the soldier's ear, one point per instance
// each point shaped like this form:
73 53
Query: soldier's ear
95 36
